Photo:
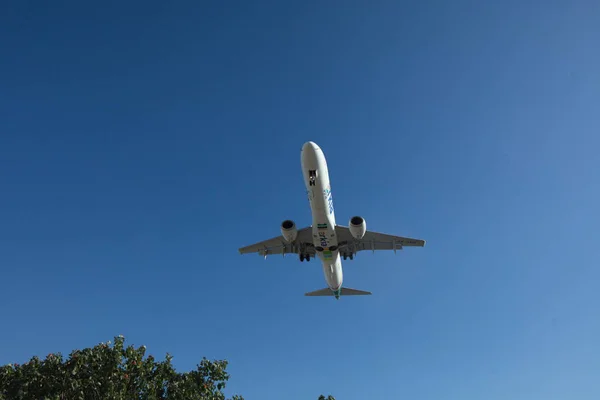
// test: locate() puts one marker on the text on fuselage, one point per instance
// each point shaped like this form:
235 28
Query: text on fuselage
323 238
329 197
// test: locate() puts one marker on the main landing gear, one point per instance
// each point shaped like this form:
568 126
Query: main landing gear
304 256
351 255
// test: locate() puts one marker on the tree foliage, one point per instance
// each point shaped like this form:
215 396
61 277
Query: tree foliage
330 397
111 372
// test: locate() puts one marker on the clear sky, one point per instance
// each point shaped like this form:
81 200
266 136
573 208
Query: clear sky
143 143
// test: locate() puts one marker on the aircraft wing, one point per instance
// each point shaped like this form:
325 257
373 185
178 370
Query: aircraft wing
373 241
278 245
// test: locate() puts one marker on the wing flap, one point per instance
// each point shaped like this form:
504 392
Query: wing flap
374 241
278 245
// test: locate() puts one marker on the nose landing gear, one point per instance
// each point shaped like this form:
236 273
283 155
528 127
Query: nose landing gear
312 176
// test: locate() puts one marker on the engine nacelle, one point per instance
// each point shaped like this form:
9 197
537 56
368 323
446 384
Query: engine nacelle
358 227
289 230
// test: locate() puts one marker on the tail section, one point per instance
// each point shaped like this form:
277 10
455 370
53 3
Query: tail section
354 292
321 292
340 292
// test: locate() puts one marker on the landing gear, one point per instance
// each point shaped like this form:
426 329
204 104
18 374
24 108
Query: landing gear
312 176
304 256
351 255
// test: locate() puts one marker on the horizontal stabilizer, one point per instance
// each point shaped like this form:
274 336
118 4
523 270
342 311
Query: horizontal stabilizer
343 292
321 292
354 292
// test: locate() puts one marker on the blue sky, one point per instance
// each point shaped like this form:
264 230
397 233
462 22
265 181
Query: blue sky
143 143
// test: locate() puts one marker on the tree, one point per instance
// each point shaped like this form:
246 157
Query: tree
111 372
330 397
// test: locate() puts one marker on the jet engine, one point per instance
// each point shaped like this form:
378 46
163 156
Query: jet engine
289 230
358 227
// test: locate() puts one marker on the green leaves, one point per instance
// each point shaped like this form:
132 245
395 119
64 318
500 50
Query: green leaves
111 372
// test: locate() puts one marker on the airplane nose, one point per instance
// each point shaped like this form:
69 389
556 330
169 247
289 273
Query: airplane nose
312 146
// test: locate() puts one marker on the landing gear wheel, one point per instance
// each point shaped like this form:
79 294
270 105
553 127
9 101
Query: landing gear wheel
301 257
345 256
351 256
308 257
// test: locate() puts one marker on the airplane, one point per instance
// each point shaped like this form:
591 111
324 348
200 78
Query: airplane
324 238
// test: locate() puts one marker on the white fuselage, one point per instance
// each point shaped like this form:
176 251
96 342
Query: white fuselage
318 190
